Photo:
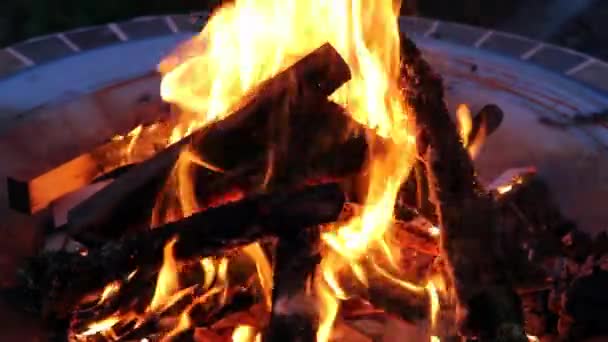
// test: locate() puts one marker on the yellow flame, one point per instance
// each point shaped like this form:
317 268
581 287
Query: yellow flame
435 231
503 189
167 283
328 310
434 297
110 290
475 146
404 284
102 326
465 123
134 134
245 333
209 271
263 268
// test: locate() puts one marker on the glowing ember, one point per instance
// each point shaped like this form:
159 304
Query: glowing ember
245 333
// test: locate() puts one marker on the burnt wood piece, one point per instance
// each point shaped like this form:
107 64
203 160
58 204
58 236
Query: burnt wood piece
408 305
339 151
414 191
466 214
292 317
31 191
387 292
131 196
485 122
61 279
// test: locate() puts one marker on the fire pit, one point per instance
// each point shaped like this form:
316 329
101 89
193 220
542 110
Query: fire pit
211 216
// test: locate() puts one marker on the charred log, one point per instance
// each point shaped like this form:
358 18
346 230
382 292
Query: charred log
415 192
62 279
293 317
485 122
467 215
240 138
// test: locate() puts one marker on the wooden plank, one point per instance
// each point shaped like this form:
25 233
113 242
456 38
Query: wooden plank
237 140
71 146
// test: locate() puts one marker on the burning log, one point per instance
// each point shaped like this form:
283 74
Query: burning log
393 298
131 197
294 317
485 122
415 193
32 190
63 279
466 214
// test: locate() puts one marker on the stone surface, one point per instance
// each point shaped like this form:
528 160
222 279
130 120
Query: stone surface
145 27
93 37
415 25
8 63
509 45
44 49
556 59
131 103
456 33
187 23
595 74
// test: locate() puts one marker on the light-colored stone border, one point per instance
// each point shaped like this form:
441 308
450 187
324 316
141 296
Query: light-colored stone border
570 63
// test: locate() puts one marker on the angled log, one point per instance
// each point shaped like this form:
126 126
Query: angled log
65 140
294 315
62 279
313 77
466 214
414 192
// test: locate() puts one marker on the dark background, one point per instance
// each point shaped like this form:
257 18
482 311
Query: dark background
578 24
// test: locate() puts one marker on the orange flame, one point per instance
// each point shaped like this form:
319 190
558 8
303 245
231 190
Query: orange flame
245 333
264 270
465 125
110 290
167 283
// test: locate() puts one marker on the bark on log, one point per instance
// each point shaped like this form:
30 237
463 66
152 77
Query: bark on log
72 164
294 314
467 215
414 193
312 78
61 279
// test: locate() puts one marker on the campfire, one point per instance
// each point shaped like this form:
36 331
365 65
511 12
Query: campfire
309 185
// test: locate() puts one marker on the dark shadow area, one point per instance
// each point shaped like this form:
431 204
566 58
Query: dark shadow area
22 19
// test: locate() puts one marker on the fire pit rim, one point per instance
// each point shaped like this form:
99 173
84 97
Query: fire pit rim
41 50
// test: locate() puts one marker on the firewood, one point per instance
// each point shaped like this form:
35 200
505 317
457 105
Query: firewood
467 215
61 279
32 190
414 192
294 314
394 299
131 197
485 122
